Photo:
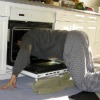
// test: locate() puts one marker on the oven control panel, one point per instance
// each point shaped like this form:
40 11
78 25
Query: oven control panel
22 14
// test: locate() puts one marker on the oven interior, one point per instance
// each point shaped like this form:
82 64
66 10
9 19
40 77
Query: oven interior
16 30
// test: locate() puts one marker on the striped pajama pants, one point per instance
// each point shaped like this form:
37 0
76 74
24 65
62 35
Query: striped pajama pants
78 59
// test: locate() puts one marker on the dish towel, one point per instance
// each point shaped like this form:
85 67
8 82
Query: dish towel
53 84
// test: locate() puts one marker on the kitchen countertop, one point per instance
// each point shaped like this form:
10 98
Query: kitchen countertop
26 2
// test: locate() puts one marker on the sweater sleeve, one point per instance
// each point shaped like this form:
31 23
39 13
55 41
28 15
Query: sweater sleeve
23 57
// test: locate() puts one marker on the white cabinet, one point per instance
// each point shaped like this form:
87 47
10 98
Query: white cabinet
63 20
91 32
62 25
79 26
78 17
97 44
84 22
90 29
3 43
4 9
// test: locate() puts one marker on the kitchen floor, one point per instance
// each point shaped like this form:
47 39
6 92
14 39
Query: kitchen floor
24 90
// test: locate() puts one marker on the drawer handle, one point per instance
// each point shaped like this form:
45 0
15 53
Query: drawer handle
90 17
81 16
21 14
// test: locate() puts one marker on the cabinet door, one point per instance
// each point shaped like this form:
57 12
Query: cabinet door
91 32
97 44
4 8
79 26
3 43
62 25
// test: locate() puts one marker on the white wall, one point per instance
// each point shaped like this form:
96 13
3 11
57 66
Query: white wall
92 3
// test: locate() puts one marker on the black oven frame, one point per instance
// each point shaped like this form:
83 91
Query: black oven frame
14 26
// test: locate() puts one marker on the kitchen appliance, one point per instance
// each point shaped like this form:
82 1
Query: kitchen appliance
38 67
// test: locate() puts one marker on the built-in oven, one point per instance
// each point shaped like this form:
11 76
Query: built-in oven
16 30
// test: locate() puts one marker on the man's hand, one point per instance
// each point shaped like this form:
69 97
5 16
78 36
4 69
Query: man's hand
11 83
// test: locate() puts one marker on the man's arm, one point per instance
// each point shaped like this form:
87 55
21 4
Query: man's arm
22 60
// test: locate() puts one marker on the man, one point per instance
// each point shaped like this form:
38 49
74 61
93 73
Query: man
70 46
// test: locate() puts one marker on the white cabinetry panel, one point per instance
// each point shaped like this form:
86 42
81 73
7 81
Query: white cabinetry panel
79 26
62 25
90 29
3 43
64 16
4 9
98 40
91 32
91 18
79 17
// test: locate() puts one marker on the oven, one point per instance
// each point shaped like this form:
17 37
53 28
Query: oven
16 30
37 67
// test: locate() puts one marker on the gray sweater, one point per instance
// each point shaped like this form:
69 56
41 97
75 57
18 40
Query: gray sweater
75 50
42 43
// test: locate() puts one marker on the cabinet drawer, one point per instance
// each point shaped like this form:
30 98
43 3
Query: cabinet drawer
4 9
32 15
62 25
79 17
67 16
92 18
